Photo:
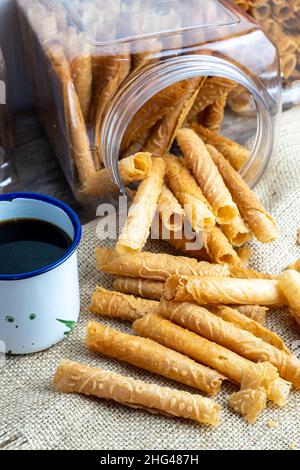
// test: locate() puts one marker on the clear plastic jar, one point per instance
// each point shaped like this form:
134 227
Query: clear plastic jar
95 67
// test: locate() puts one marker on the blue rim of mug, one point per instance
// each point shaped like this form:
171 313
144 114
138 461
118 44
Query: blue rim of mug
73 218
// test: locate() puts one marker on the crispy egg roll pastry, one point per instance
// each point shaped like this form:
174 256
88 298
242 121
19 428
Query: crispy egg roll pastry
237 232
211 91
228 363
244 323
233 152
254 312
218 247
131 169
295 266
244 253
151 356
249 403
137 145
155 266
189 244
224 290
118 305
142 210
213 115
248 273
242 342
144 288
186 190
200 163
289 282
152 112
72 377
260 222
163 134
170 210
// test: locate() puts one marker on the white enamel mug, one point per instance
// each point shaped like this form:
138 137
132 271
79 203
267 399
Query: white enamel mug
38 309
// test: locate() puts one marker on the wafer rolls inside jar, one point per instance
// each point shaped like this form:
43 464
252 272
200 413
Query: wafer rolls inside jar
213 115
131 169
155 266
242 342
198 160
233 152
144 288
289 282
186 190
239 320
72 377
141 213
151 356
224 290
112 304
228 363
261 223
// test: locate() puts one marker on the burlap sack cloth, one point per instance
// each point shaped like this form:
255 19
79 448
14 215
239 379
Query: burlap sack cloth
34 416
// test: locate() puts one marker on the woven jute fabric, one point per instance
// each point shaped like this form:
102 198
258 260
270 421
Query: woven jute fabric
34 416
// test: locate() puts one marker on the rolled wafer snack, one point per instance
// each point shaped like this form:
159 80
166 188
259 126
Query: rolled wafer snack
155 266
163 134
151 356
141 213
170 211
131 169
295 266
187 242
247 273
242 342
224 290
233 152
72 377
289 282
211 91
261 223
244 323
244 253
186 190
144 288
249 403
199 161
254 312
118 305
261 11
213 115
237 232
228 363
218 247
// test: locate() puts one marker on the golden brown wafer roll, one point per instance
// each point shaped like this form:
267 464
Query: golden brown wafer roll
237 232
117 305
170 211
228 363
289 282
260 222
151 356
141 213
213 115
282 12
244 323
233 152
212 89
144 288
288 64
163 134
199 161
242 342
137 145
295 266
224 290
244 253
131 169
155 266
188 193
261 11
244 4
254 312
219 248
72 377
249 403
247 273
190 244
152 112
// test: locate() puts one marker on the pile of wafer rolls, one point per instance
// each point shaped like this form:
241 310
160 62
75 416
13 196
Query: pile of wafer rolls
281 21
